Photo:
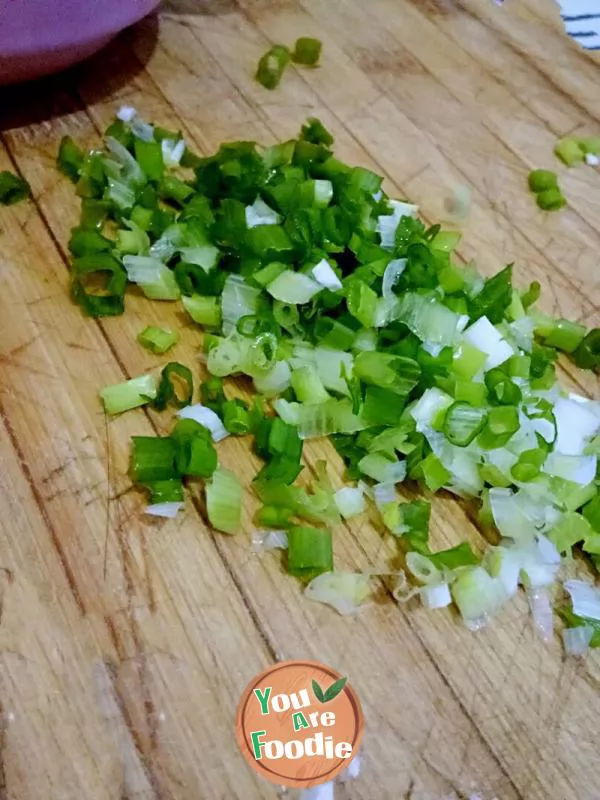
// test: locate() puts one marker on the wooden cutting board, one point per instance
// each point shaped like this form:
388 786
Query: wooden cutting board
125 643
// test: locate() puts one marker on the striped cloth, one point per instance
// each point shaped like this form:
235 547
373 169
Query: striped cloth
582 21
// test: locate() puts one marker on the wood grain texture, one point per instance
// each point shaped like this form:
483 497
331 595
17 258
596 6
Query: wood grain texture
126 643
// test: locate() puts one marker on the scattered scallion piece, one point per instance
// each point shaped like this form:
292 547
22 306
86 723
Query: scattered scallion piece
569 151
224 501
587 354
157 340
169 490
70 158
195 454
344 591
591 144
271 66
13 189
152 459
236 417
99 285
203 310
550 200
132 393
310 552
155 279
176 386
540 180
307 51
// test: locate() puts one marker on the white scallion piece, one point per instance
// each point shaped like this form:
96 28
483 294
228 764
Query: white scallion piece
381 469
478 596
511 519
545 428
387 223
323 419
522 333
131 172
541 611
206 417
384 493
205 256
142 130
485 337
431 403
577 469
126 113
574 426
167 245
167 510
350 501
269 540
294 288
289 412
577 640
237 300
323 192
172 151
344 591
547 550
391 275
259 213
366 340
433 349
423 569
276 381
155 279
325 276
431 321
585 598
332 365
505 564
437 596
386 310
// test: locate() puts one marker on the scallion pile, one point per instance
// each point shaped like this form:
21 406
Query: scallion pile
354 321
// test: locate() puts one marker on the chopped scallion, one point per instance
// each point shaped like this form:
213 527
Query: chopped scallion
176 386
157 340
271 66
13 189
224 501
307 51
132 393
309 553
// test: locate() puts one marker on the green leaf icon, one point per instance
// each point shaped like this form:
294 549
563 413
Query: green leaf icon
334 690
318 692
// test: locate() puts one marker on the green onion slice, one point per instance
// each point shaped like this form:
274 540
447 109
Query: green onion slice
132 393
271 66
224 501
307 51
157 340
310 552
175 388
13 189
463 422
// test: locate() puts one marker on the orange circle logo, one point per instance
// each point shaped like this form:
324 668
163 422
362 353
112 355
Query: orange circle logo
299 723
